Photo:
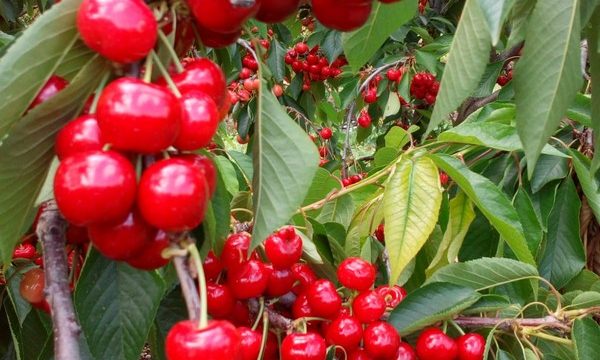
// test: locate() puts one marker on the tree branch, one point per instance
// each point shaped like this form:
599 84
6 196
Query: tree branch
188 287
51 232
275 319
509 323
473 104
506 54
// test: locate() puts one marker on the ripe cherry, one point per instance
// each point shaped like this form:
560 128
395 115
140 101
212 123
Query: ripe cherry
471 347
308 346
274 11
212 266
381 340
301 307
202 75
444 178
433 344
218 341
284 248
206 166
137 116
240 315
220 300
406 352
249 280
218 40
301 48
123 31
235 250
392 295
220 15
368 306
76 235
394 75
364 120
250 342
380 233
370 96
150 257
172 195
304 275
326 133
360 354
280 283
356 274
346 17
79 135
32 286
199 121
122 241
324 299
87 184
345 331
52 87
277 90
24 251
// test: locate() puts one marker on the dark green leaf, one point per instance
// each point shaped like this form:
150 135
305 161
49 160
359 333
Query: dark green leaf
548 168
531 224
275 60
589 184
586 338
339 210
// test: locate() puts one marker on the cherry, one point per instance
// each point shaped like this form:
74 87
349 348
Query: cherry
212 266
324 299
308 346
368 306
245 73
326 133
323 151
301 307
220 15
380 233
32 286
122 241
52 87
235 250
301 48
284 248
394 75
405 352
199 121
433 344
471 347
392 295
356 274
206 167
76 235
24 251
274 11
218 40
280 283
87 184
370 96
346 17
202 75
381 340
218 341
150 258
304 275
173 194
277 90
220 300
79 135
240 315
271 348
364 120
137 116
123 31
250 342
360 354
345 331
444 178
249 280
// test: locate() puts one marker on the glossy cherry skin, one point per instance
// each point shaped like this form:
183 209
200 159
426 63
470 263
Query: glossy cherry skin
123 31
52 87
235 250
304 275
150 257
284 248
433 344
24 251
381 340
368 306
202 75
32 286
274 11
301 307
250 342
79 135
356 274
392 295
218 341
360 354
122 241
206 166
172 195
324 299
199 121
220 15
405 352
342 17
280 283
137 116
249 280
308 346
217 40
345 331
326 133
87 185
212 266
471 347
240 315
220 300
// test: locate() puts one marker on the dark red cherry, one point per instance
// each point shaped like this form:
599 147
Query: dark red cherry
217 40
274 11
405 352
324 299
24 251
172 195
284 248
249 280
79 135
364 120
345 331
76 235
235 250
392 295
356 274
87 185
368 306
281 282
220 300
220 15
218 341
137 116
212 266
301 307
122 241
52 87
344 17
381 340
240 315
206 166
202 75
32 285
123 31
360 354
304 275
250 342
199 121
150 257
308 346
433 344
471 347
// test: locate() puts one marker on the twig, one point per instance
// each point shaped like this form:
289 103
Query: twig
188 287
51 231
473 104
275 319
506 54
508 323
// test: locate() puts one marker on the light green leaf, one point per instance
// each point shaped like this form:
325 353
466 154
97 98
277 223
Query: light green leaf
467 61
396 138
488 303
411 205
589 184
586 299
594 58
586 338
547 76
339 211
323 183
392 106
495 12
365 221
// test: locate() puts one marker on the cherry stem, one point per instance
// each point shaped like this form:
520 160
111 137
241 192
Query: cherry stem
261 311
265 334
195 255
99 92
166 75
456 326
148 67
170 49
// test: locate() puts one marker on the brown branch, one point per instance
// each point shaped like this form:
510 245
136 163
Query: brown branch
506 54
188 287
509 323
473 104
275 319
51 232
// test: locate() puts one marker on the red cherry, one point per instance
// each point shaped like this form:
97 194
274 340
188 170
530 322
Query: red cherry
77 235
249 280
235 250
250 342
323 151
345 331
444 178
87 184
173 194
218 40
199 121
370 96
240 315
301 307
324 299
32 286
277 90
24 251
206 167
150 258
245 73
218 341
79 135
381 340
220 15
281 282
356 274
304 275
433 344
284 248
271 348
52 87
220 300
368 306
364 120
394 75
326 133
301 48
212 266
137 116
471 347
392 295
360 354
123 31
122 241
343 18
202 75
405 351
274 11
308 346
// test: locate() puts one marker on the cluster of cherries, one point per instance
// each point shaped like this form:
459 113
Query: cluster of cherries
425 87
351 180
313 65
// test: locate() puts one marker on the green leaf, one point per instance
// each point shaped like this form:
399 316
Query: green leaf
26 154
361 45
547 169
488 303
339 211
586 338
492 202
392 106
495 12
116 305
323 183
275 60
396 138
531 224
563 256
586 299
484 273
467 61
430 304
594 58
411 204
581 110
548 74
589 184
285 162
